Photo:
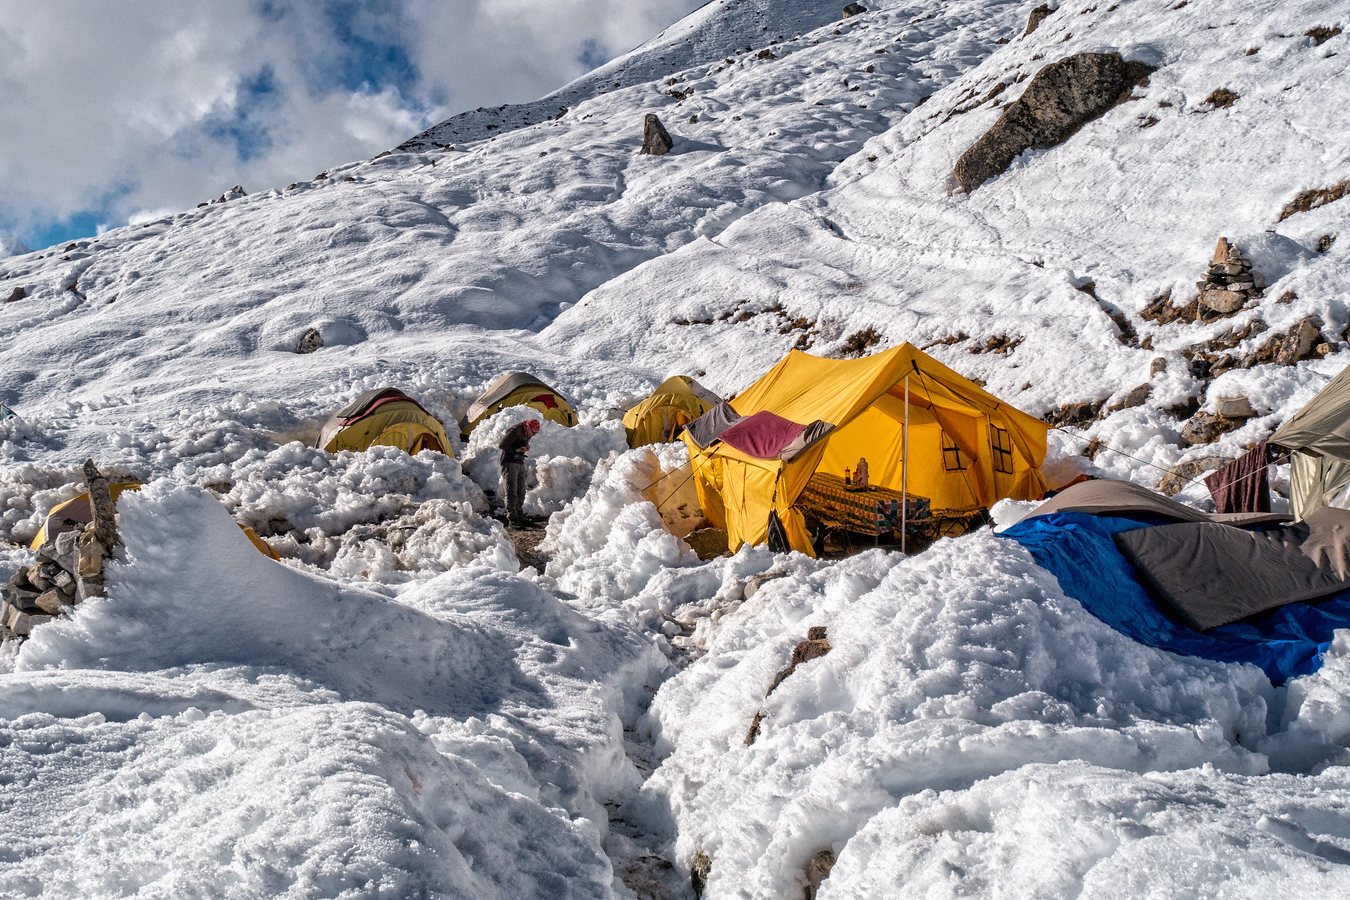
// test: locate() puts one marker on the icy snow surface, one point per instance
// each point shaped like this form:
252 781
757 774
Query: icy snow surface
400 708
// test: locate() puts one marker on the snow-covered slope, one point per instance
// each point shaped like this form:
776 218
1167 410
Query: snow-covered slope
401 709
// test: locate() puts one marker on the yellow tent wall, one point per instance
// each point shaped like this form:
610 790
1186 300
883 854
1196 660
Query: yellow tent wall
560 412
399 424
670 407
967 449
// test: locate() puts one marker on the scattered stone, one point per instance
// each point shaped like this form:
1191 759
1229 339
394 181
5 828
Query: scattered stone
1075 415
854 9
1234 408
18 294
100 498
51 603
1038 15
1137 397
655 139
817 870
1206 428
1324 242
1158 366
766 53
698 872
1301 342
1060 99
1222 98
1184 473
309 341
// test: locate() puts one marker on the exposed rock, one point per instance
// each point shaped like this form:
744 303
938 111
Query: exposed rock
50 603
655 139
17 294
1322 33
1223 302
1206 428
1038 15
753 733
309 341
1137 397
1075 415
1308 200
1324 242
815 646
766 53
854 9
1063 97
1222 98
699 869
1184 473
1158 366
1301 342
817 870
100 498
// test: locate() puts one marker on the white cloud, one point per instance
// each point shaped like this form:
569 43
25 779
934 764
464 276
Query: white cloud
109 109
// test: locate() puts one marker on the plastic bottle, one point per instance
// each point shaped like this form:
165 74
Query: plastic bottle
860 474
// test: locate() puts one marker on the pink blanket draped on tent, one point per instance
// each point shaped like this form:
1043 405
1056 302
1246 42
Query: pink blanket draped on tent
762 435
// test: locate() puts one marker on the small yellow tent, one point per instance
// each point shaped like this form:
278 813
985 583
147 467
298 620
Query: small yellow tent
383 417
678 401
967 449
74 513
519 389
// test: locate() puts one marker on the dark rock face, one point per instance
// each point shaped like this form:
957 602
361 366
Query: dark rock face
19 294
1037 16
854 9
655 139
1063 97
309 341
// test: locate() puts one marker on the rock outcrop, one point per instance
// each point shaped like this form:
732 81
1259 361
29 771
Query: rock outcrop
1060 99
655 139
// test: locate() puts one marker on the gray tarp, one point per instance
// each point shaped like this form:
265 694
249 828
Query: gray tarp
709 426
1106 498
1212 574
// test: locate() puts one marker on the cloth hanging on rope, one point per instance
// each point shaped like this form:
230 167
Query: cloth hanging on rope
1244 484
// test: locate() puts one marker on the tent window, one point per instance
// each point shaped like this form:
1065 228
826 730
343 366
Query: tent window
1002 443
952 460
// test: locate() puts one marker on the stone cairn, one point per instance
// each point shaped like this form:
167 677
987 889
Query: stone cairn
68 569
1230 281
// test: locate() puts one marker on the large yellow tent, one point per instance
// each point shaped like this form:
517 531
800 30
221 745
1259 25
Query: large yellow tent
519 389
383 417
967 449
675 403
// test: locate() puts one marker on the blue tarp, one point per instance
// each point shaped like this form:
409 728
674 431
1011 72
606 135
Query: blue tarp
1078 550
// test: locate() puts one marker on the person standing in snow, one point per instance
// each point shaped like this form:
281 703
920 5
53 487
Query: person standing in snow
514 445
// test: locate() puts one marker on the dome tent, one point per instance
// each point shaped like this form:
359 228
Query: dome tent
675 403
383 417
966 449
1318 441
519 389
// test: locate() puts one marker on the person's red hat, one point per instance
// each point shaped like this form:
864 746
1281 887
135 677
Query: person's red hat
532 426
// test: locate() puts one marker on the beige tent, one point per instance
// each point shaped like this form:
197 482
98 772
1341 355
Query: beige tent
383 417
519 389
678 401
1318 441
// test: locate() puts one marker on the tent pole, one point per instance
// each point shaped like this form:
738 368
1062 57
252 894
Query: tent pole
904 472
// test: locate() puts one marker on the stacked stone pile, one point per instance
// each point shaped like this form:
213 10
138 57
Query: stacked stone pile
1230 281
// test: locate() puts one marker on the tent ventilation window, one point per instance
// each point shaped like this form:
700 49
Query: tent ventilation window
951 455
1002 444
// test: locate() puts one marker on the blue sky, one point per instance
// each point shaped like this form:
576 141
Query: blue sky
111 113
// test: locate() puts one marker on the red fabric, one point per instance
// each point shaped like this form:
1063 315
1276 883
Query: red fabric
389 396
549 401
763 435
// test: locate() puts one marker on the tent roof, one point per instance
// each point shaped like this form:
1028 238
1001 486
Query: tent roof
804 388
502 388
1322 426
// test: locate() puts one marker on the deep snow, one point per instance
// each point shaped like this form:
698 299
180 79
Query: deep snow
400 709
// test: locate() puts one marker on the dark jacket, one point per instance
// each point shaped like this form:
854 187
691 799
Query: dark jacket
514 444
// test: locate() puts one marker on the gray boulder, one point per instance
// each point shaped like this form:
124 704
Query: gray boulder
1063 97
655 139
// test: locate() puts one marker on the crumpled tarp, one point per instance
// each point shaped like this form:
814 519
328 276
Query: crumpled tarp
1080 551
